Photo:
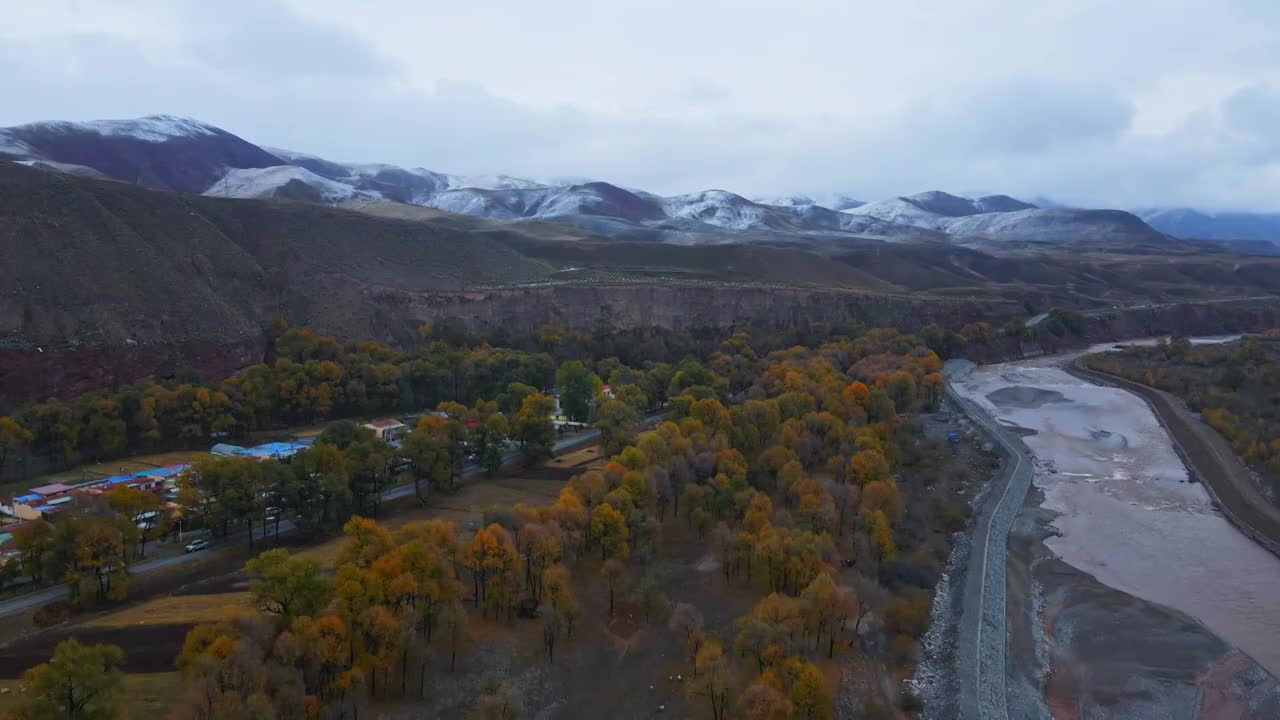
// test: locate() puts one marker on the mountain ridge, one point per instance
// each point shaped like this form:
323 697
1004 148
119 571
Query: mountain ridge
187 155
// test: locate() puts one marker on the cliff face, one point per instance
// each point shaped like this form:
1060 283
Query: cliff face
694 307
35 372
31 373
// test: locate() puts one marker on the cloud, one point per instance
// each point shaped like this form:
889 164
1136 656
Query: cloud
1035 118
1090 103
268 42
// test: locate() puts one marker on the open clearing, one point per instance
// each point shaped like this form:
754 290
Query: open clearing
172 610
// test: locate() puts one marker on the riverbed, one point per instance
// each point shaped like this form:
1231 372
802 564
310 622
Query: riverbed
1122 508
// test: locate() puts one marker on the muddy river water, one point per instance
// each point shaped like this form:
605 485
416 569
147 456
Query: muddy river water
1126 511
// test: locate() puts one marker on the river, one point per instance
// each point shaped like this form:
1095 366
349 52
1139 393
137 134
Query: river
1126 512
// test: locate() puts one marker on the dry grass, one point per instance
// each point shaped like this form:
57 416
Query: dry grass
172 610
584 458
147 695
121 466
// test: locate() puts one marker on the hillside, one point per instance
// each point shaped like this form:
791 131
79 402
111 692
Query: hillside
91 260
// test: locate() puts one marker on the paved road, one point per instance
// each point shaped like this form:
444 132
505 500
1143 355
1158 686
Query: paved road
981 634
35 599
1037 319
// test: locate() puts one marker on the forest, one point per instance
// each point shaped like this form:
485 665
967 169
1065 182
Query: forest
307 378
801 470
1234 386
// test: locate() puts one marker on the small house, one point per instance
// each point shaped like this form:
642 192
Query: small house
387 430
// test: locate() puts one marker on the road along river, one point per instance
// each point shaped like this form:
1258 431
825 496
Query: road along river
1117 512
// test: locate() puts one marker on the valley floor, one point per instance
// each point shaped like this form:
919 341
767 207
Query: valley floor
1123 578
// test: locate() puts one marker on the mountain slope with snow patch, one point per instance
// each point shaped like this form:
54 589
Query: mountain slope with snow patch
286 181
158 151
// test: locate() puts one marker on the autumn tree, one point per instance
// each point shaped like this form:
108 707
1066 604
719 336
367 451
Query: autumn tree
610 531
317 487
686 621
711 677
533 428
825 607
498 700
288 586
613 573
869 466
80 682
99 560
806 689
578 387
494 562
139 507
763 701
616 421
552 624
427 447
453 627
13 437
487 433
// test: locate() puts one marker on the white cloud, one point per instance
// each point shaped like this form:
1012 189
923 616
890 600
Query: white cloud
1144 102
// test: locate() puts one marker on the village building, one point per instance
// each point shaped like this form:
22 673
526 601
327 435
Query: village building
387 430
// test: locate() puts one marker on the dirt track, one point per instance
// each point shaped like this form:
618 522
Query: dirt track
1208 456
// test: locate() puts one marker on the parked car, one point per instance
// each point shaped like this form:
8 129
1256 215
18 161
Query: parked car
196 545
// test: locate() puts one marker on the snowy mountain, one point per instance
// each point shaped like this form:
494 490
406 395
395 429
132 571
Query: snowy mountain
159 151
926 209
831 201
1054 226
1002 218
546 202
498 182
286 181
175 153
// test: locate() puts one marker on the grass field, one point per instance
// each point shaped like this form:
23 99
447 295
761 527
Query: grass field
172 610
146 695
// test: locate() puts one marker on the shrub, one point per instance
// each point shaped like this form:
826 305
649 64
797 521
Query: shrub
51 614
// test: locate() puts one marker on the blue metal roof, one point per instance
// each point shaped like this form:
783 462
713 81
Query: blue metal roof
275 449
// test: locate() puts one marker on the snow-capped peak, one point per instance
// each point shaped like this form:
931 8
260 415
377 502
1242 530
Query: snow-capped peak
491 182
152 128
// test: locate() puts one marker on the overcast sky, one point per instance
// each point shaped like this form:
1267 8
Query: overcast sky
1123 103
